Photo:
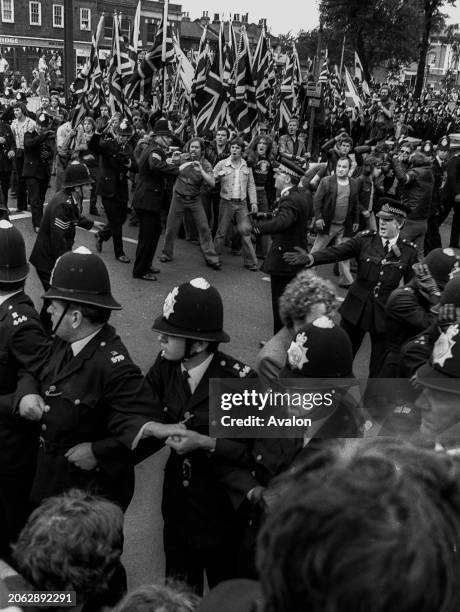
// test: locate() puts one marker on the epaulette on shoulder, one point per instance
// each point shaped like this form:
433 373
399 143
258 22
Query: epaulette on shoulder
235 367
409 243
16 318
368 233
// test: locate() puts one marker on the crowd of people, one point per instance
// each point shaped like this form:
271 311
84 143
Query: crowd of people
326 520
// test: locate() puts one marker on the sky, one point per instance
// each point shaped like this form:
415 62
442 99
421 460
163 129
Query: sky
282 16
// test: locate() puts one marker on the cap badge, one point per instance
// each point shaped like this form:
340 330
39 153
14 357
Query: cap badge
444 345
170 302
297 352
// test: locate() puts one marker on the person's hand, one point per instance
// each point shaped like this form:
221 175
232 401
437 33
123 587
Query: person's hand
2 140
32 407
448 314
255 495
366 214
10 154
355 227
161 431
319 224
426 283
188 441
299 257
82 456
98 225
254 208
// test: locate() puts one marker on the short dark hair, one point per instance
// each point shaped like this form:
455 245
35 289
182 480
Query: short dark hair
238 142
222 128
95 314
71 542
370 524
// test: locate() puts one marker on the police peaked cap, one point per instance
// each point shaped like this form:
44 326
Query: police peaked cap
391 208
193 310
13 260
82 277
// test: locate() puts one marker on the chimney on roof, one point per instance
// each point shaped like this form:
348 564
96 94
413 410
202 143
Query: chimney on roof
204 20
245 18
216 18
186 16
205 14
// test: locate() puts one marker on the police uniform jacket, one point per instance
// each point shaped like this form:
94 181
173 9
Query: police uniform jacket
9 145
57 231
288 228
38 156
196 508
407 314
377 276
23 344
115 162
96 396
151 184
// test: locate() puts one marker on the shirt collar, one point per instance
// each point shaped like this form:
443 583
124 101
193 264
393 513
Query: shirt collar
4 298
228 161
197 373
392 241
79 345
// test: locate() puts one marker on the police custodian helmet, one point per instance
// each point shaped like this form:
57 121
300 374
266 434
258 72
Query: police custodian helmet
81 276
13 261
193 310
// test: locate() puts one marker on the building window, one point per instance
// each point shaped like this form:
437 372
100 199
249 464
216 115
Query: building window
35 13
8 11
85 19
58 15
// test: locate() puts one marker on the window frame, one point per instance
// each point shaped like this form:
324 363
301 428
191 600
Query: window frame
88 10
4 9
62 16
39 4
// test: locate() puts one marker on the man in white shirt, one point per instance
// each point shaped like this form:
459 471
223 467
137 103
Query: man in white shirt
20 125
236 186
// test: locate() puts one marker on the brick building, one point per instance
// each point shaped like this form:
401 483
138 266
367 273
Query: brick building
30 28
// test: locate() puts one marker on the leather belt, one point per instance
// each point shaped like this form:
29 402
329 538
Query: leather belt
236 200
187 197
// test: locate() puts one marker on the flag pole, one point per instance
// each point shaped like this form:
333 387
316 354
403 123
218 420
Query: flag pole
163 50
341 57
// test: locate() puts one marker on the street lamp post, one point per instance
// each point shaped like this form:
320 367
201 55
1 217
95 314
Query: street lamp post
69 54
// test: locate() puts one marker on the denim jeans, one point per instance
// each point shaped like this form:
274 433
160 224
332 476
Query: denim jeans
322 240
227 209
175 216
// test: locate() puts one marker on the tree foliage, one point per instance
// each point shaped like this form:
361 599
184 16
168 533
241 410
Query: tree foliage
379 30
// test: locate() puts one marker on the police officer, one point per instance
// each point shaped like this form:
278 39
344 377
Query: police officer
116 160
38 157
89 398
289 226
413 308
201 532
23 344
57 230
384 258
147 202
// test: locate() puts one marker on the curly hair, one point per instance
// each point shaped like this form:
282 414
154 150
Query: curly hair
301 293
370 525
170 597
71 542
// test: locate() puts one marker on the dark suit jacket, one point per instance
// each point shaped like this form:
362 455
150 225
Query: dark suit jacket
38 156
151 184
288 227
115 162
324 204
377 277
